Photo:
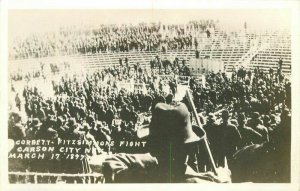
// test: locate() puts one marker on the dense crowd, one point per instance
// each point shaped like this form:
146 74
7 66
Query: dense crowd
112 38
99 97
237 110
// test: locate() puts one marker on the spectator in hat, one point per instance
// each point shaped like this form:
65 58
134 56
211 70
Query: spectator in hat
171 138
47 130
133 115
256 124
95 149
16 130
70 165
273 122
90 120
73 129
210 125
282 132
110 115
34 111
228 139
211 129
41 113
37 130
248 135
31 132
59 126
101 133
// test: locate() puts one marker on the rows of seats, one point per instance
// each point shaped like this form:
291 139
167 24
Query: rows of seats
279 46
234 49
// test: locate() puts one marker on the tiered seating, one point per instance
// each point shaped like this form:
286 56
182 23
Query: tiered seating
233 49
278 46
102 60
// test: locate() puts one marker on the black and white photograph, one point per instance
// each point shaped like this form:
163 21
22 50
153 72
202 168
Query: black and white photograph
109 96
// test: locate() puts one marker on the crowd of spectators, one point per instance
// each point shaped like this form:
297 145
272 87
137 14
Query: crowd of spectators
112 38
237 110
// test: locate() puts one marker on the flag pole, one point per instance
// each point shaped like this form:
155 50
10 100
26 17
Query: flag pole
211 159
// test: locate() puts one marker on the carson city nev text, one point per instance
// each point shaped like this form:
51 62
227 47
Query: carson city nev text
36 149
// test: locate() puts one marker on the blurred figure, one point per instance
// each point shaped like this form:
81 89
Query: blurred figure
249 136
228 138
171 138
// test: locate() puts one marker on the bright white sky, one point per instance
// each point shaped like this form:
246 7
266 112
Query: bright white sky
23 22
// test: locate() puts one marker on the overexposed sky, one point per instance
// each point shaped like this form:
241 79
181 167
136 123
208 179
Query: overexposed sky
23 22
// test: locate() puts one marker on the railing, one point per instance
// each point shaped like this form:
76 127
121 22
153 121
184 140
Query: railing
34 177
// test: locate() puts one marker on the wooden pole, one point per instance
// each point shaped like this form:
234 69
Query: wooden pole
190 100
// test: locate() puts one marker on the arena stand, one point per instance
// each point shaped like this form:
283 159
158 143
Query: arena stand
246 49
278 46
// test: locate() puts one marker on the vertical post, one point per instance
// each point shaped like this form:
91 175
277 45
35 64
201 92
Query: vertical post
214 168
35 179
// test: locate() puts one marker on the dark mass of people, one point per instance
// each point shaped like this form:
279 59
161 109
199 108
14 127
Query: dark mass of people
248 111
111 38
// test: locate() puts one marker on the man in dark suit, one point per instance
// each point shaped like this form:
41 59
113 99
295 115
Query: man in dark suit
249 135
73 166
16 131
228 139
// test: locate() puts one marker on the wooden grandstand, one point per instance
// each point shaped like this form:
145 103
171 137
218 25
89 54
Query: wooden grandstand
246 49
